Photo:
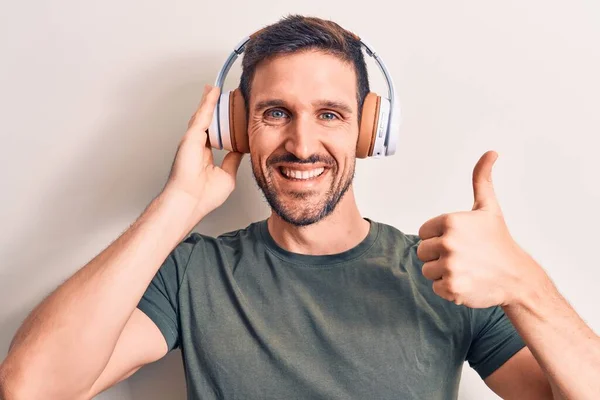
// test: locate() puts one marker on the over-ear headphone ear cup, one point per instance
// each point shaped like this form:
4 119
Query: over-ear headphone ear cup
238 122
368 125
213 131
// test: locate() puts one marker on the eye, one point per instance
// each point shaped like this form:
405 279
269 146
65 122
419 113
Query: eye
276 113
328 116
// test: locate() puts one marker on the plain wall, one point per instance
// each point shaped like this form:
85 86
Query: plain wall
94 97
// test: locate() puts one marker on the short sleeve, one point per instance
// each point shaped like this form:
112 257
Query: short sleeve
160 300
494 340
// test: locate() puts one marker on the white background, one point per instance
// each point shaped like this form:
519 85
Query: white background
94 97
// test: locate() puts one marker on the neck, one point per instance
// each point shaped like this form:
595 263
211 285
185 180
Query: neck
341 230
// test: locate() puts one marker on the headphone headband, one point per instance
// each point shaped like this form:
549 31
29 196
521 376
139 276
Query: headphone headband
393 118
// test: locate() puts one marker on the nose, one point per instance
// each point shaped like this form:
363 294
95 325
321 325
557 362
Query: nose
302 138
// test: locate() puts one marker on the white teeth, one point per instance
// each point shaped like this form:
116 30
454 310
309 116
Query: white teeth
290 173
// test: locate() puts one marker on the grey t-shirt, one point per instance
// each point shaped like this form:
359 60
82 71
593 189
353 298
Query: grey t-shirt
255 321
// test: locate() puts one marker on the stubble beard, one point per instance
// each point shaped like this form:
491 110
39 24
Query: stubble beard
301 211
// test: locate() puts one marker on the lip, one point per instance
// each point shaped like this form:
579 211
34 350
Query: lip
301 167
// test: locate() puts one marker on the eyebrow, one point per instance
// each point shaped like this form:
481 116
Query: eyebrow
261 105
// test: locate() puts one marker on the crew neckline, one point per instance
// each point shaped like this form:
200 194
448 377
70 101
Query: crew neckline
319 260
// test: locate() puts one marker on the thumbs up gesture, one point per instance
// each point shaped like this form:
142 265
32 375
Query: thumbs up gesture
471 257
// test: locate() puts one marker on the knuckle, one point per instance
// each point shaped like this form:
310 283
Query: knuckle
426 270
449 220
191 121
446 243
202 116
454 286
450 263
198 120
420 250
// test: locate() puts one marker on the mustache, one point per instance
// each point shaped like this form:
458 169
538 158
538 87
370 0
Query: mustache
290 158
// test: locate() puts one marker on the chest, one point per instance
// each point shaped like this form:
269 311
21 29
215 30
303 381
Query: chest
345 333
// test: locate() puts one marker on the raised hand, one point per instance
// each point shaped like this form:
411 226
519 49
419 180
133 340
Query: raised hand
194 177
471 256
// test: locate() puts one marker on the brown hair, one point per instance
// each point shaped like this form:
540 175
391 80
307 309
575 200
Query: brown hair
295 33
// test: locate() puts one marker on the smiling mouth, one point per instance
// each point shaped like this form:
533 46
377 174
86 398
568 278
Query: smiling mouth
301 175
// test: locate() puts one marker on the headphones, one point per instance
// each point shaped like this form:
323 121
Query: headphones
379 125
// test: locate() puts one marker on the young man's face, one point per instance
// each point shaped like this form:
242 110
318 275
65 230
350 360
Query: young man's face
303 129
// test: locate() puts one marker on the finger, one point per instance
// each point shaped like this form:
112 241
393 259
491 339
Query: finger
204 112
483 186
193 117
205 90
429 249
432 228
231 163
440 288
202 118
434 270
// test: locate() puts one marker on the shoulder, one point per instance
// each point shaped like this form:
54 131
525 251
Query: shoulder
398 243
395 233
240 237
400 248
204 245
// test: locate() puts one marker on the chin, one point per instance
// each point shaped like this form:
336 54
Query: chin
299 219
299 212
301 203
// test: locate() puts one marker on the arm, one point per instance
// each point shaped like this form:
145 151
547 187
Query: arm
473 260
566 349
140 343
87 334
521 378
66 342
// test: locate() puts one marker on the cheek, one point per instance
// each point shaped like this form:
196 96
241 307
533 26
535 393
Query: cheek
343 150
262 139
253 132
260 147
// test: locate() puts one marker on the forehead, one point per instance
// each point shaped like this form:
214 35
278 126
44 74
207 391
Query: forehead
305 76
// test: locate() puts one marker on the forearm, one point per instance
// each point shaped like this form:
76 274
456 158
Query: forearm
565 347
68 339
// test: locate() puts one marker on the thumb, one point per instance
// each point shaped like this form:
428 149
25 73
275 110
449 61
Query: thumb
483 187
231 163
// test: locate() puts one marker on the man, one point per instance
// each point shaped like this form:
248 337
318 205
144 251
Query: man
316 302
